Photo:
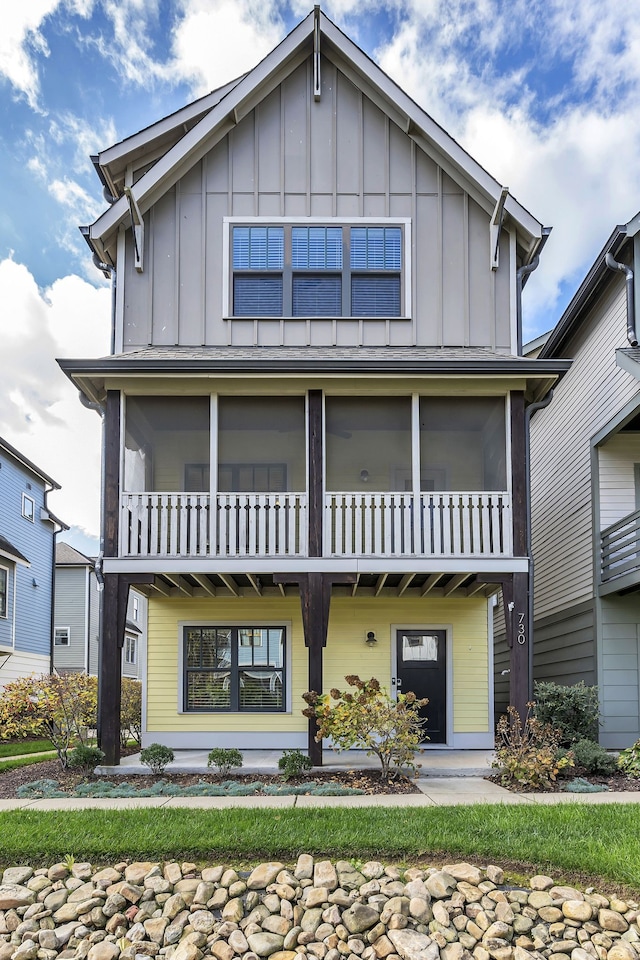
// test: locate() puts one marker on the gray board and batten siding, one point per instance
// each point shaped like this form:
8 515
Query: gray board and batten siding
338 157
590 394
71 613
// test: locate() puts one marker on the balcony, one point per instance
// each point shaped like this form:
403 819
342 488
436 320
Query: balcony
235 525
620 554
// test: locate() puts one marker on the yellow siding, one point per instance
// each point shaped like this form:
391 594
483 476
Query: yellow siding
346 653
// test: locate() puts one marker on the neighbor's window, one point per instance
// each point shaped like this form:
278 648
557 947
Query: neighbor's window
130 649
4 591
28 508
236 669
294 270
61 637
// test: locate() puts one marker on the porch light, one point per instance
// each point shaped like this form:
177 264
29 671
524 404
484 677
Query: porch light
364 476
371 639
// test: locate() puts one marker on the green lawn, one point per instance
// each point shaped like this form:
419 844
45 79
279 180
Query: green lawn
17 748
592 840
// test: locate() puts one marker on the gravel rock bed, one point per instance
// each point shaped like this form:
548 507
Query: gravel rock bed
316 909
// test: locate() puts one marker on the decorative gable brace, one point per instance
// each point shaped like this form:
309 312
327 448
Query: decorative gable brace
137 227
495 228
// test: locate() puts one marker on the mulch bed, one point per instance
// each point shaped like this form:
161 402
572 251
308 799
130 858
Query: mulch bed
367 780
617 783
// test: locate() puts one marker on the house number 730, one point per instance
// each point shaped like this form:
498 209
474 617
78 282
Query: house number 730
522 636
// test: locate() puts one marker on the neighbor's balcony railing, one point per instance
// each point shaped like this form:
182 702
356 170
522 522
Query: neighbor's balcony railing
355 525
620 548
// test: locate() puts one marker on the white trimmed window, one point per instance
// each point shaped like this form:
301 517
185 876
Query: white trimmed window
135 607
4 592
130 649
28 508
313 269
61 637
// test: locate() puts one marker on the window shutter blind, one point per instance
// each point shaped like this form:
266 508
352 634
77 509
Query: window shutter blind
257 296
375 296
315 296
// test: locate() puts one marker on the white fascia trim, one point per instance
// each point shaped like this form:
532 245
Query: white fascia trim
321 564
137 142
190 146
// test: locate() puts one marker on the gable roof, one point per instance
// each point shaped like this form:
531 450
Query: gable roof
241 97
27 464
68 556
598 275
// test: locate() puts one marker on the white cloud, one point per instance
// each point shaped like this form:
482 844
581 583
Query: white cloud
42 415
20 41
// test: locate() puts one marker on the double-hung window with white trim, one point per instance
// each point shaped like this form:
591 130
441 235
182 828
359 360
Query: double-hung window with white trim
331 269
4 592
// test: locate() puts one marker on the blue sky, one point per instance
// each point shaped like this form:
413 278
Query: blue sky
543 93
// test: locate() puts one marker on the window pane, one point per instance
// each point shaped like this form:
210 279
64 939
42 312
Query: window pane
208 691
276 647
415 647
373 296
3 593
317 296
258 248
316 248
462 443
368 443
376 248
261 444
261 690
257 296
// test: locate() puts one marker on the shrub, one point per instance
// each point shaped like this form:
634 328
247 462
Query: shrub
131 711
529 754
156 757
629 760
294 763
62 707
369 719
225 759
594 758
573 710
86 758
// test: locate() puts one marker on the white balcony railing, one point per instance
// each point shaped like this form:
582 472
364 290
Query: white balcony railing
432 525
355 525
239 525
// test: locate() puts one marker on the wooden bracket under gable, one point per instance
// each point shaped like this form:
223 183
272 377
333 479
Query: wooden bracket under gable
317 84
495 228
137 226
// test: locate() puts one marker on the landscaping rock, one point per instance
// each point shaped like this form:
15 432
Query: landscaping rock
13 895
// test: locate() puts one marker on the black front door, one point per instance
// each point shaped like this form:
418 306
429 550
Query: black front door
422 669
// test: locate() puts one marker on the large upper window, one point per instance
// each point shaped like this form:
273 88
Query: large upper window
324 270
239 669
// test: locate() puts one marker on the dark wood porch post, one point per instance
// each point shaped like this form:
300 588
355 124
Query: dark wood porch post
313 596
518 626
109 666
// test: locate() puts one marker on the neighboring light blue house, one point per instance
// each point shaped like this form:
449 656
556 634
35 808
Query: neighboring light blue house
27 566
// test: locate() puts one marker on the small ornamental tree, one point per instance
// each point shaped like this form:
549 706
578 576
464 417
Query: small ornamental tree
62 707
131 712
369 719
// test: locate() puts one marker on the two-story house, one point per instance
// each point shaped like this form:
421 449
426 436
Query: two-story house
27 570
77 618
315 411
585 489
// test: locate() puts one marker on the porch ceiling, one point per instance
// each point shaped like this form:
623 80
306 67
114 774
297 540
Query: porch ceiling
392 584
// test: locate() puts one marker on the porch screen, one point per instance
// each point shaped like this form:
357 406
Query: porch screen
368 442
261 444
462 443
166 444
239 669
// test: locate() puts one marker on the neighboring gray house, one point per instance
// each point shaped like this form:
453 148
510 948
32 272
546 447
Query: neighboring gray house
27 537
77 618
585 479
